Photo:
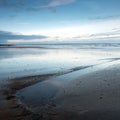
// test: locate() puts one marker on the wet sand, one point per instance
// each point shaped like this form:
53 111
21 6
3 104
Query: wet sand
10 107
84 85
93 96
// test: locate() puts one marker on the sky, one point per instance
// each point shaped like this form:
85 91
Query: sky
41 21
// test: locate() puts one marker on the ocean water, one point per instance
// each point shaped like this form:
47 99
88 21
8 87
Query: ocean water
27 60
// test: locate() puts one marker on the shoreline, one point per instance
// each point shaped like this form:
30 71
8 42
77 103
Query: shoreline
97 99
16 110
12 105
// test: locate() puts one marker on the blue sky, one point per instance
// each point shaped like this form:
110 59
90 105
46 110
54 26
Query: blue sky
36 21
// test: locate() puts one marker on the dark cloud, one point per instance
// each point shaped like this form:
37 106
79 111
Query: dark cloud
4 36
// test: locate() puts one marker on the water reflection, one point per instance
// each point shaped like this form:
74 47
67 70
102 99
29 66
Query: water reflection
41 94
16 62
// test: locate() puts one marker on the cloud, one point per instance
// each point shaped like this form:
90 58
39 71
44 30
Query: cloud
107 36
6 36
108 17
33 6
55 3
17 6
12 3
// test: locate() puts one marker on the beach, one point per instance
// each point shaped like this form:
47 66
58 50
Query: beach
59 59
84 85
